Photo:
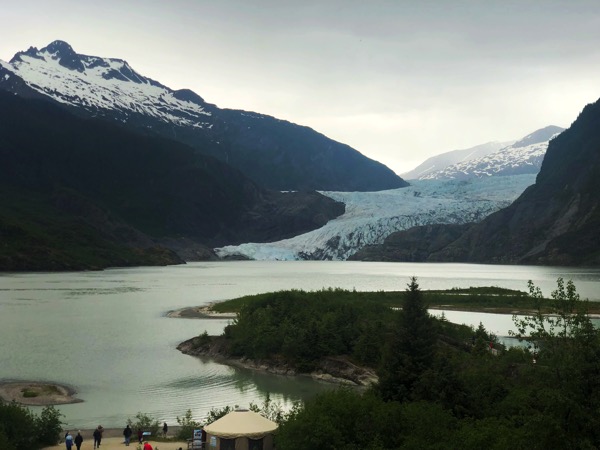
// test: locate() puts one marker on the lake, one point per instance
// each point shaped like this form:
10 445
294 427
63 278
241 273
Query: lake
106 333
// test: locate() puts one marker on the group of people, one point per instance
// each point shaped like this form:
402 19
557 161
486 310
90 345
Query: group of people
78 439
70 440
127 433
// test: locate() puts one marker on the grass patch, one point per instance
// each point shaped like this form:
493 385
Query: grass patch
30 393
36 391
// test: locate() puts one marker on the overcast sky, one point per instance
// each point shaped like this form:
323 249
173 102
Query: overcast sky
400 80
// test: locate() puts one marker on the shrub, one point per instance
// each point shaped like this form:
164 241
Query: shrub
144 422
187 425
48 426
27 393
20 429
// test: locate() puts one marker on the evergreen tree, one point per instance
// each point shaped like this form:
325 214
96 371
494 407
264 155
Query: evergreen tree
410 350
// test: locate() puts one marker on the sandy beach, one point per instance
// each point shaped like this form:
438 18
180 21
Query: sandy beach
116 443
113 440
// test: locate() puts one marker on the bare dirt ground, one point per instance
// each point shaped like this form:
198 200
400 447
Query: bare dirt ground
37 393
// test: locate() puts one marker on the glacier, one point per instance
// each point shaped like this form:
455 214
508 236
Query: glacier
372 216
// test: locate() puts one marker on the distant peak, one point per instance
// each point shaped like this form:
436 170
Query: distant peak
541 135
188 96
60 47
65 55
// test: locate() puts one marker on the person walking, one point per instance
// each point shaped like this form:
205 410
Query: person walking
165 429
68 440
78 440
98 436
140 434
127 432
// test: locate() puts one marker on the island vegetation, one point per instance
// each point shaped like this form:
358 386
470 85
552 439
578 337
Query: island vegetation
438 385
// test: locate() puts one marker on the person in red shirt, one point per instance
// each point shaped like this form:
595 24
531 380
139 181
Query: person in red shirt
147 446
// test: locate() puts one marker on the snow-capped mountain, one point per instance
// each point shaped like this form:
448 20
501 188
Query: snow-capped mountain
524 156
94 83
274 153
371 216
443 160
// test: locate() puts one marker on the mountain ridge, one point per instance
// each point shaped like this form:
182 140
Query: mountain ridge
445 159
523 156
276 154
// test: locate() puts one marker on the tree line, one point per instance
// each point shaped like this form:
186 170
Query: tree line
439 385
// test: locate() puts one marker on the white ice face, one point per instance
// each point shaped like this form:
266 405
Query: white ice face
372 216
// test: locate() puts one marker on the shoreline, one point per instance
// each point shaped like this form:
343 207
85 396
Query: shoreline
206 312
199 312
37 393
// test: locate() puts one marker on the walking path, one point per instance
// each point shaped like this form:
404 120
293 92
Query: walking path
112 439
116 443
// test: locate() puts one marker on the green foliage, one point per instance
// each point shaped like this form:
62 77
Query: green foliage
144 422
187 425
28 393
5 443
302 327
567 352
201 340
49 425
473 298
270 410
20 429
350 420
409 349
455 397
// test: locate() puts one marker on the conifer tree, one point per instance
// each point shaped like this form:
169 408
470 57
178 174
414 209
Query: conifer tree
410 350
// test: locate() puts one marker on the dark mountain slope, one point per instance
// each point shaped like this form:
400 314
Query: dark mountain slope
133 190
555 221
274 153
413 245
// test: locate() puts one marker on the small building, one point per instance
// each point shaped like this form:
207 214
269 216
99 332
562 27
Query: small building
240 430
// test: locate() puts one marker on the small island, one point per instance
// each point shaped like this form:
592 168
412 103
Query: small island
37 393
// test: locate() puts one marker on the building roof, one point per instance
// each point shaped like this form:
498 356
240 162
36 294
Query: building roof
241 423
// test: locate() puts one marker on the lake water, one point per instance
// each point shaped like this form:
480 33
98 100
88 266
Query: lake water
106 334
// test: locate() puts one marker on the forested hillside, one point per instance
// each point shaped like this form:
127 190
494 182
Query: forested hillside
85 193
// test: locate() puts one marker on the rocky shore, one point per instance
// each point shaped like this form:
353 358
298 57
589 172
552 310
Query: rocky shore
337 370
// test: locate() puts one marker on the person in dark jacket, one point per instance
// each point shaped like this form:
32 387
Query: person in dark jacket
98 436
78 440
127 432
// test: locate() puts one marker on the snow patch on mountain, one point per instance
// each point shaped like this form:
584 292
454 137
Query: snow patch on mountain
522 157
372 216
443 160
103 83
